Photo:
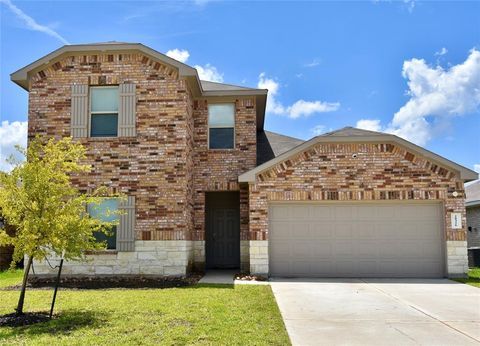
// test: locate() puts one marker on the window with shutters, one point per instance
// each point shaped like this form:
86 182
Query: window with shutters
104 111
107 210
221 126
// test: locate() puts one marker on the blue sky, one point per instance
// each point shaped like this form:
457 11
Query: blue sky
407 67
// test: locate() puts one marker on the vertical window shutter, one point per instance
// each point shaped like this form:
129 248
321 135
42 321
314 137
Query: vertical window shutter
79 111
127 111
126 228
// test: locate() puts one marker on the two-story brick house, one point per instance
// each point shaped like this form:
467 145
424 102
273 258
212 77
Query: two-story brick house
208 187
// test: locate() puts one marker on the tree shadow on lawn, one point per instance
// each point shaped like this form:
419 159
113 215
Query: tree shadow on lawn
63 323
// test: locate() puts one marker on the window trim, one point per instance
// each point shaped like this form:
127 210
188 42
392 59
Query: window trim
222 127
90 87
107 251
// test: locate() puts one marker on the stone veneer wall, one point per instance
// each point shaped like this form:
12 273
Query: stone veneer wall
381 171
218 170
155 257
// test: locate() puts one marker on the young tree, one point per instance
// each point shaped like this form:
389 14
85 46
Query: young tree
48 212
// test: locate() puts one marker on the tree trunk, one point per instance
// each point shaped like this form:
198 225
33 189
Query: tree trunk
21 299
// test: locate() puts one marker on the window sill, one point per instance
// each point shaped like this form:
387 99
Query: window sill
220 150
103 137
101 252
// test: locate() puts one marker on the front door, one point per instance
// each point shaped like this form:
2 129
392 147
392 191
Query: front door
222 221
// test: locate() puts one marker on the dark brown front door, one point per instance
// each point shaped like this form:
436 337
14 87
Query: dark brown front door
222 221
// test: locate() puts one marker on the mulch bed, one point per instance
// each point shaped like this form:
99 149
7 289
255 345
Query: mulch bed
103 282
248 277
14 320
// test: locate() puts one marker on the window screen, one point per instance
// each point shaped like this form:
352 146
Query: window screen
106 211
221 126
104 111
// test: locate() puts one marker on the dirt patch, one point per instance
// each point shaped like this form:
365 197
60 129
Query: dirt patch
15 320
248 277
104 282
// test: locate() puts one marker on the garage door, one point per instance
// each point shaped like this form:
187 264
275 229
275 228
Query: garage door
356 240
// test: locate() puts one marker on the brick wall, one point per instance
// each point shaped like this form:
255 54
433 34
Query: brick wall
218 170
155 166
168 165
378 172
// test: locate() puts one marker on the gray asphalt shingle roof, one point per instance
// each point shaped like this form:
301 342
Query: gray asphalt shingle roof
214 86
271 144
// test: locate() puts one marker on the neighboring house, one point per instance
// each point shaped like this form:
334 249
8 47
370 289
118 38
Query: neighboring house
208 187
472 203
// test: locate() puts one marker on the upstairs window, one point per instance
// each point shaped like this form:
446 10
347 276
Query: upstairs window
103 111
221 126
106 211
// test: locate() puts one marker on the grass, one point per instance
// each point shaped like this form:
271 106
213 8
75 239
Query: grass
10 277
473 278
196 315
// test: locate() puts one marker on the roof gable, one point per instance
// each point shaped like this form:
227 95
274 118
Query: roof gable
199 88
354 135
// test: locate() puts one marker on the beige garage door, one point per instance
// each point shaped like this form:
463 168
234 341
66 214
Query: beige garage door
356 240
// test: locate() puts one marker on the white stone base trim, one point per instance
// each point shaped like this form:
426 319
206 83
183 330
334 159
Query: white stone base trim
259 257
199 251
151 257
457 258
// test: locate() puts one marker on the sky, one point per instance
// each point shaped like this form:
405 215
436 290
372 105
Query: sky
410 68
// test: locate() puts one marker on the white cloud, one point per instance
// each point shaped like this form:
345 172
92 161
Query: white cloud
318 130
297 109
206 72
410 4
11 134
181 55
313 63
369 124
210 73
437 95
306 108
31 23
441 52
476 167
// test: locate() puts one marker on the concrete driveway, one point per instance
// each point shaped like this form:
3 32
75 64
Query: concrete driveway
379 311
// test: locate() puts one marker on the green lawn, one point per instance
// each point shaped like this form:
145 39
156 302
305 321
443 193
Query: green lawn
10 277
473 278
197 315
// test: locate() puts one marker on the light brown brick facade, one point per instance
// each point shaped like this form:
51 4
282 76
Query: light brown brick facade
328 172
168 165
169 168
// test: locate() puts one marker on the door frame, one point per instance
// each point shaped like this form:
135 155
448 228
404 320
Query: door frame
218 200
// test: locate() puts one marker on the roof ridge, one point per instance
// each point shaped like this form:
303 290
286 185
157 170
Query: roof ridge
232 85
355 129
281 134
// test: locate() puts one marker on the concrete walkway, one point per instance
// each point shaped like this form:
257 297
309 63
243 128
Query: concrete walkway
379 311
218 277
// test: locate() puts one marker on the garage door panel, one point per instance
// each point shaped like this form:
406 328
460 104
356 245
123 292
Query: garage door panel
367 268
383 212
355 240
343 230
324 212
366 249
348 212
364 230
